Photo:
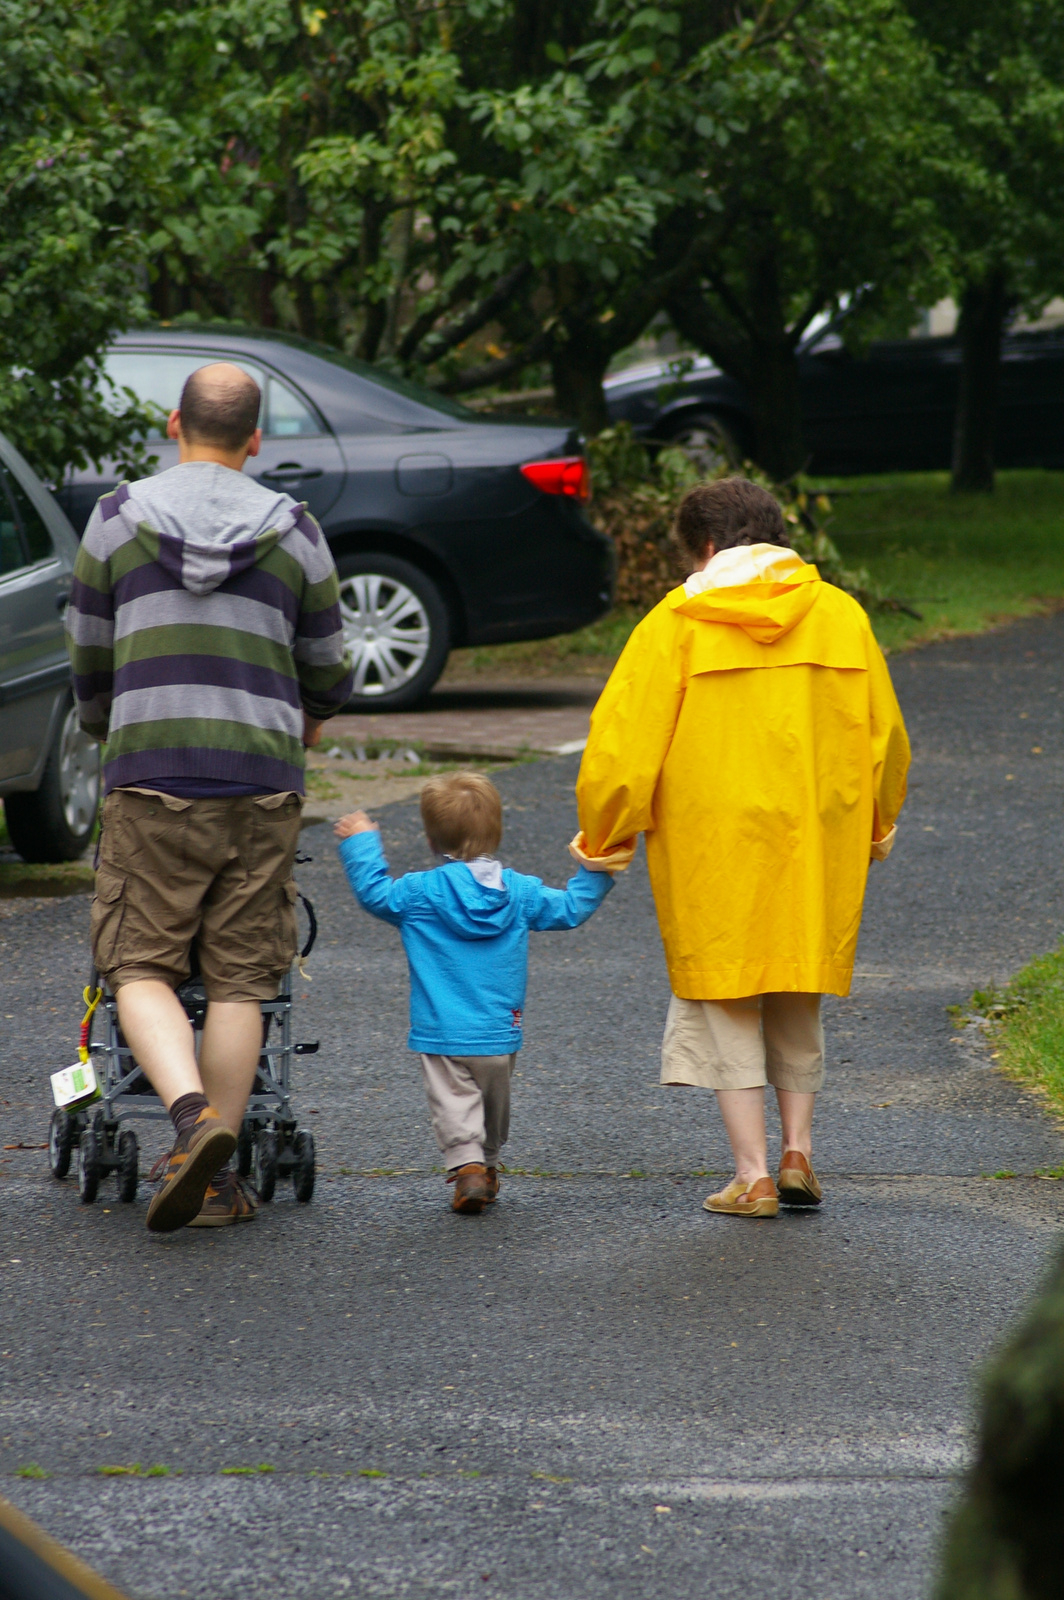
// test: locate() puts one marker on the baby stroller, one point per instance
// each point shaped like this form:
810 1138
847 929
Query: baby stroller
269 1146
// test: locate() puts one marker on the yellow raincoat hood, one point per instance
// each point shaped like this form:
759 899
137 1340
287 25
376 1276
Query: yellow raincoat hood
760 790
760 588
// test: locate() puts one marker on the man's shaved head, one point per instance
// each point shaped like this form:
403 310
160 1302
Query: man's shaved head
220 406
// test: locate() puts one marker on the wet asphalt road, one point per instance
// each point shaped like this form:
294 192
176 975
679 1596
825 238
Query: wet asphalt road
596 1390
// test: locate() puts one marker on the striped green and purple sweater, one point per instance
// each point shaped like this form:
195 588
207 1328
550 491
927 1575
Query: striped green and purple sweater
204 619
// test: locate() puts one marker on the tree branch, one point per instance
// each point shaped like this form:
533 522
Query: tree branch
437 344
493 371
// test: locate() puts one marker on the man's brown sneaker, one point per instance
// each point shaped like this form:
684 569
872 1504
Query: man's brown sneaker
472 1188
493 1183
231 1200
797 1181
190 1166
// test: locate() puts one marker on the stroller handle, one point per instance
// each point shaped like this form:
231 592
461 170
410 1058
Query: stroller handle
313 933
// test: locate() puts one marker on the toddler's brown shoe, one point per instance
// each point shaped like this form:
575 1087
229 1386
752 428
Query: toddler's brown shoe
493 1183
797 1181
190 1166
472 1188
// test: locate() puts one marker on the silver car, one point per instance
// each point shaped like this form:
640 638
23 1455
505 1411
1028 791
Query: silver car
49 769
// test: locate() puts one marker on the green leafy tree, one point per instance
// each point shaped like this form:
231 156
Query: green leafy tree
77 169
604 182
322 191
823 200
398 179
1001 71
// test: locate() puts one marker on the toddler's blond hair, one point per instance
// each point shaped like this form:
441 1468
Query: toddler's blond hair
462 814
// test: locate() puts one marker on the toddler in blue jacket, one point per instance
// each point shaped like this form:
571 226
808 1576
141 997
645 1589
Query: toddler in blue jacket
464 927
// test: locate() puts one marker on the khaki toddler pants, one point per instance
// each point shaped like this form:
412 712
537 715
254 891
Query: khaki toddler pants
744 1044
469 1101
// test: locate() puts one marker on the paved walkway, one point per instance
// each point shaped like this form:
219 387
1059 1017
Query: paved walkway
596 1391
487 717
369 761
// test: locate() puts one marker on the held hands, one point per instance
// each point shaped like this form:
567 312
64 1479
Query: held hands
619 859
354 822
311 732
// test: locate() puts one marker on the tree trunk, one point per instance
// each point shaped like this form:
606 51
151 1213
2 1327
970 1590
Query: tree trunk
297 216
578 367
160 290
718 319
984 307
776 408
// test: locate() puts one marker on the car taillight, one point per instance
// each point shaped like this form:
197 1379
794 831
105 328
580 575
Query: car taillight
563 475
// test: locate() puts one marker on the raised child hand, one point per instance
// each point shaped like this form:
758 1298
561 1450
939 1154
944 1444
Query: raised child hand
354 822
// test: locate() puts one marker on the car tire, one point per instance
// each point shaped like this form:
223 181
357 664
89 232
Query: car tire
396 626
708 440
55 822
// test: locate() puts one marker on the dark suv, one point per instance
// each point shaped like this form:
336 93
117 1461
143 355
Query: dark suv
448 528
49 769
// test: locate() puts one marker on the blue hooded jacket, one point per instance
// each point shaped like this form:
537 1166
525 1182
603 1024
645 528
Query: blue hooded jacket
466 944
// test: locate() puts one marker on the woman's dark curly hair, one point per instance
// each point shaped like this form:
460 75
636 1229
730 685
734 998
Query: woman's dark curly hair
730 512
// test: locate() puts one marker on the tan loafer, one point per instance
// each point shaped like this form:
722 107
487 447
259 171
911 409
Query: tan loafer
741 1199
797 1181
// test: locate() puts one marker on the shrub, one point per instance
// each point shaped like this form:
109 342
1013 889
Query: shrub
635 500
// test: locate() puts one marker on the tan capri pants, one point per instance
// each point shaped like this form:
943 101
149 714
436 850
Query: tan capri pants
469 1102
744 1044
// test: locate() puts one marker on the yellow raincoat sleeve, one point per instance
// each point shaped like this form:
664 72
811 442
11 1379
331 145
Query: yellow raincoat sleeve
890 744
631 730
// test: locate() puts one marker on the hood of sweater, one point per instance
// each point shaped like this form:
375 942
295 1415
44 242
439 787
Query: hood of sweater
203 522
470 909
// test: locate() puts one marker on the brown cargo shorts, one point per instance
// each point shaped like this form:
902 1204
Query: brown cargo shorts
219 872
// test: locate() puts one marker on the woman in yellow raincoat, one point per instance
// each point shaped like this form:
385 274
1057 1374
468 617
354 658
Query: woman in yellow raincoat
751 731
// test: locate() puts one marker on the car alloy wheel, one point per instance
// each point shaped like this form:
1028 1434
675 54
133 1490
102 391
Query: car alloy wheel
396 627
79 775
386 629
55 821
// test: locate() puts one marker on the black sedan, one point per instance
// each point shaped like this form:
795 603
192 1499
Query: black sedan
448 529
890 410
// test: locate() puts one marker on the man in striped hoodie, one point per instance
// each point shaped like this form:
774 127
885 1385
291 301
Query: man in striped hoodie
206 644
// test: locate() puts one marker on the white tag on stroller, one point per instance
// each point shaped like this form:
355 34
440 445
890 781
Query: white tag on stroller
75 1086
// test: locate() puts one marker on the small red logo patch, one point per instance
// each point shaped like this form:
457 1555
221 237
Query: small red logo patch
517 1014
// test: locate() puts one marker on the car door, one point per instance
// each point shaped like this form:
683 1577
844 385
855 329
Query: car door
298 454
34 587
1031 419
888 410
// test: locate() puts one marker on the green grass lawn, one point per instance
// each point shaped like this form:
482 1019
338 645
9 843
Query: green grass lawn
965 562
1028 1026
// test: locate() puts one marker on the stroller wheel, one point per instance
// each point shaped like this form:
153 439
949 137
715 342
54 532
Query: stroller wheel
60 1143
88 1166
128 1167
303 1170
245 1149
264 1169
